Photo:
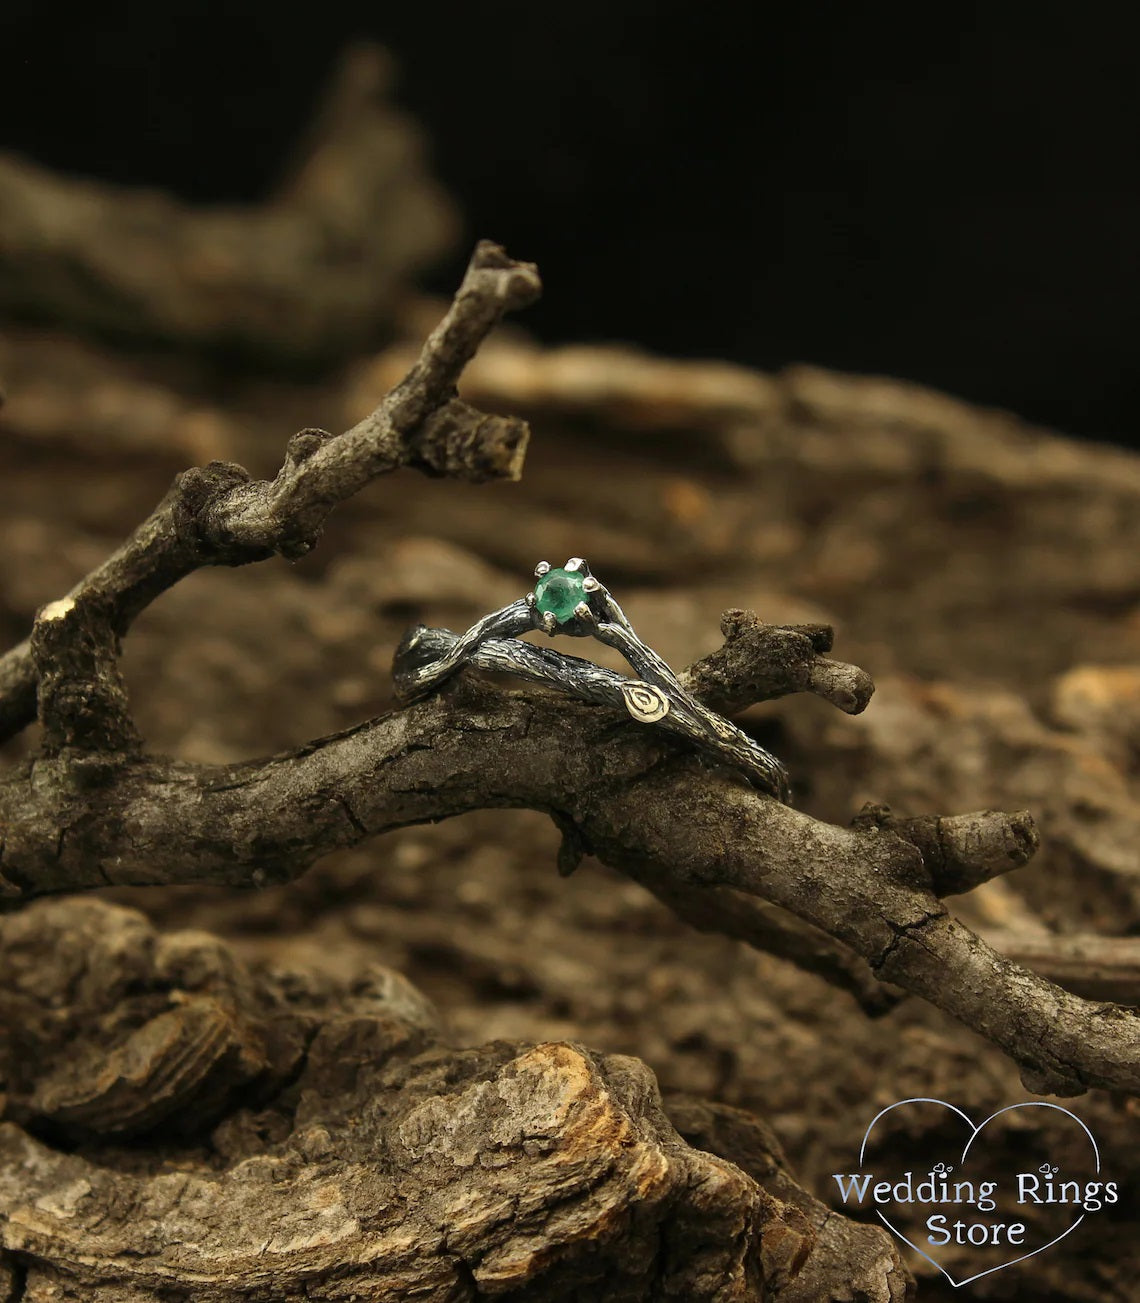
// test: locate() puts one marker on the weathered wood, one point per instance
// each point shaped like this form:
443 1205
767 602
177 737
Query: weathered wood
305 1141
71 823
219 515
966 558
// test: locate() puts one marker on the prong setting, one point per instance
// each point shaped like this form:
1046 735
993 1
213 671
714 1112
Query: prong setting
571 602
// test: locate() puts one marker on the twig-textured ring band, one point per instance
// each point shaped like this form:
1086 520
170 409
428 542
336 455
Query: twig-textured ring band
570 600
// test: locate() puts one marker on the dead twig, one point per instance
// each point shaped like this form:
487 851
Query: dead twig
92 809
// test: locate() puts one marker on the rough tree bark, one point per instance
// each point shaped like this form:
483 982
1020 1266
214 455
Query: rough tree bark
858 905
91 810
310 1141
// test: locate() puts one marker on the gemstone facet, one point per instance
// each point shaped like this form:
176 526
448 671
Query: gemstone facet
559 592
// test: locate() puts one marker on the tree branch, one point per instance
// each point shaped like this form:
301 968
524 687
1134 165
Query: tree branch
961 851
760 661
775 931
219 515
635 796
639 804
1101 968
82 698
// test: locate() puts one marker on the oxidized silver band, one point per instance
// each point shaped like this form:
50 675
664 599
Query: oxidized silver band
572 601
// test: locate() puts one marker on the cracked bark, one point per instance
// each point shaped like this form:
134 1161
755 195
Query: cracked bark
90 811
305 1139
219 515
838 900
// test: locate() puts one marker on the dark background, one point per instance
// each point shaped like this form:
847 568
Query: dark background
948 194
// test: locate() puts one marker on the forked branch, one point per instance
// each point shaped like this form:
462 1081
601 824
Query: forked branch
93 809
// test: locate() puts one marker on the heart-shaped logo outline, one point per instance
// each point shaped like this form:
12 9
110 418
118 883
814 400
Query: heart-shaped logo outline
975 1131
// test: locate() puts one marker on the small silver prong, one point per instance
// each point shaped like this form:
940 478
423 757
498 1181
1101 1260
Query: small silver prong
541 569
530 600
590 584
583 613
575 563
549 623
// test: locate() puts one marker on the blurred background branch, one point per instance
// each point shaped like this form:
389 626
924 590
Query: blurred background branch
825 207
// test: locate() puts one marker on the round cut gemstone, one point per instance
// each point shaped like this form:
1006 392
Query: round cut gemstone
559 592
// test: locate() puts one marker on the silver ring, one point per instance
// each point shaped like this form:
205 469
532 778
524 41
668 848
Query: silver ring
571 601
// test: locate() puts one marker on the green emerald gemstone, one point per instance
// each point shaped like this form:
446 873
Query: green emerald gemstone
559 592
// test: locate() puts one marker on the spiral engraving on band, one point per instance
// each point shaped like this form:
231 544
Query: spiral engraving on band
644 702
427 657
